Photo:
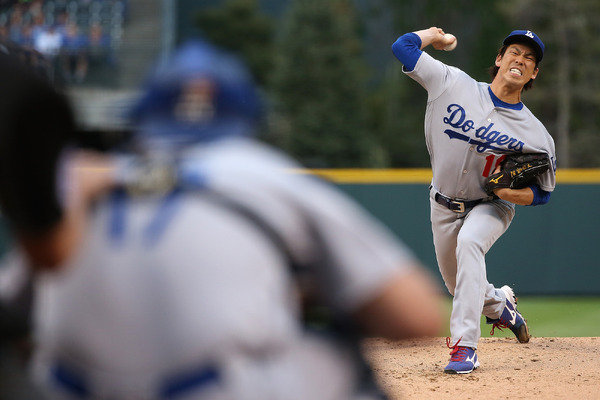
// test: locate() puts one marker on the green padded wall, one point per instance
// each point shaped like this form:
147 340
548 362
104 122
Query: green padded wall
549 249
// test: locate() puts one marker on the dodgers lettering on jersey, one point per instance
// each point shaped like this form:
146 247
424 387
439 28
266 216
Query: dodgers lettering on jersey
469 131
489 138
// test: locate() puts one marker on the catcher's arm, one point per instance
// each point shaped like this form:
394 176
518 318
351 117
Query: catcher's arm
408 305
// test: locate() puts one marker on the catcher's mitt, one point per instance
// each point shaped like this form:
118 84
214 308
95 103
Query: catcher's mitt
518 171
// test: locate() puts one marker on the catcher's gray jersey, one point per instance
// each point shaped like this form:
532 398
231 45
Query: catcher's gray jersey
468 130
164 290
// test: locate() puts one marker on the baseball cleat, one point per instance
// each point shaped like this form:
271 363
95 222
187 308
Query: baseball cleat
463 360
511 318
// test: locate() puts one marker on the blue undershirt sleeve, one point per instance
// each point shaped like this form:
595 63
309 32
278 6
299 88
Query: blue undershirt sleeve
539 196
407 50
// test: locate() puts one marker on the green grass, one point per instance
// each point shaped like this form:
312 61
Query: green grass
552 317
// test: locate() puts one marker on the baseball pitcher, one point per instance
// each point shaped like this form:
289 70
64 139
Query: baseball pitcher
473 129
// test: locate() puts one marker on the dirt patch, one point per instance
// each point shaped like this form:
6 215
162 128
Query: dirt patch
544 368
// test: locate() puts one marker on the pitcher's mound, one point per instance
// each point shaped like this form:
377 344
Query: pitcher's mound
544 368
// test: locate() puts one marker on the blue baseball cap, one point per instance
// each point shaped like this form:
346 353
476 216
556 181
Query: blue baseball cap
527 37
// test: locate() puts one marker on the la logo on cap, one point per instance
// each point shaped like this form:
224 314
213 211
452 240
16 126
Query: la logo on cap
529 34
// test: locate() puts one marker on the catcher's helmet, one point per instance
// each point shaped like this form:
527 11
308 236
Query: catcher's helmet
199 93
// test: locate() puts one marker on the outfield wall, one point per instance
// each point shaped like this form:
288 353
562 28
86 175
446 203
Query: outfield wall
547 250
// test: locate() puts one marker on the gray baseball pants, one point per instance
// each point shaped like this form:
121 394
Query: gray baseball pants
461 242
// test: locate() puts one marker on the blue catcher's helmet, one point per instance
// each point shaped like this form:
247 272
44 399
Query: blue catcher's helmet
199 93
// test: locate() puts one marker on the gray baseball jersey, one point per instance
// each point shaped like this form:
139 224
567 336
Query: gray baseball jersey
163 293
468 130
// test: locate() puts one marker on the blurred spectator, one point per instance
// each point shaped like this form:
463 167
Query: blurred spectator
15 25
50 29
73 57
99 46
61 20
38 25
26 37
48 41
4 33
35 8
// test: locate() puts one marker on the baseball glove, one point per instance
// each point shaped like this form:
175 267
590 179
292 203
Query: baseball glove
518 171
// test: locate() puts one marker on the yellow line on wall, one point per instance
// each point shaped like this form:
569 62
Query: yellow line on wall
423 175
375 175
578 175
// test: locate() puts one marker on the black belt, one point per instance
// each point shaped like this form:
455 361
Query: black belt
458 206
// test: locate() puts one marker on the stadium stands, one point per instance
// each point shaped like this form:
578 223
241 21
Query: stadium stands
49 26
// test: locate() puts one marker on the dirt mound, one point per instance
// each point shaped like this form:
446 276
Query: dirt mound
544 368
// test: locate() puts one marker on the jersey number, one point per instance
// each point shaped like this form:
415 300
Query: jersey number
491 163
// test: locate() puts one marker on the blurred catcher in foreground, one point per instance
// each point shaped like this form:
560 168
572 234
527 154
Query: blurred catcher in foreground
194 264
